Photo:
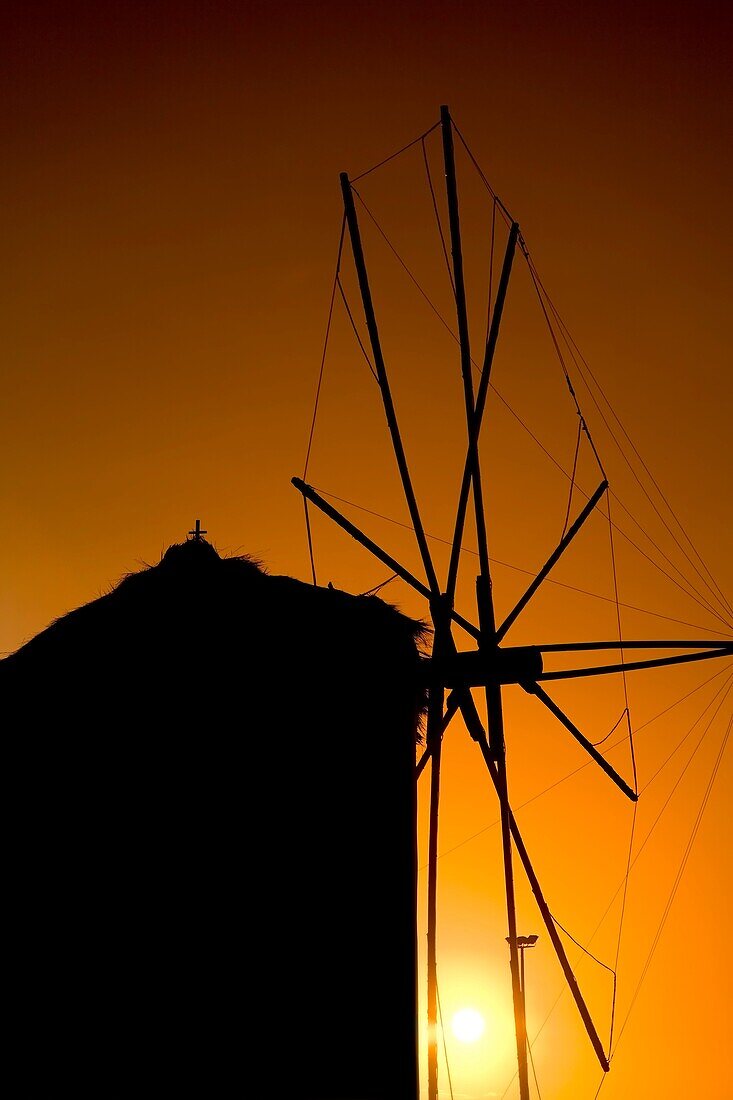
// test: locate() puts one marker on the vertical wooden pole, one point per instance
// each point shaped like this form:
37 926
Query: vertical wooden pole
434 737
495 716
442 643
465 345
481 394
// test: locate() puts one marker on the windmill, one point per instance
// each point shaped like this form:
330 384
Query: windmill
491 665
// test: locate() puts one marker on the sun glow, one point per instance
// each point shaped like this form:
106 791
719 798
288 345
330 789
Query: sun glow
468 1025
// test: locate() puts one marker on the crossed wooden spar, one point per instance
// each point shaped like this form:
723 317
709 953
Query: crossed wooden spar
452 674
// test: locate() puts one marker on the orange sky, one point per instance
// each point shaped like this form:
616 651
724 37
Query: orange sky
171 206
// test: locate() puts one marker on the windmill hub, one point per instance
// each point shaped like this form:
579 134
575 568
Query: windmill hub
478 668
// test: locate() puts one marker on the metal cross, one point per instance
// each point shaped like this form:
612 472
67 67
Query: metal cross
197 533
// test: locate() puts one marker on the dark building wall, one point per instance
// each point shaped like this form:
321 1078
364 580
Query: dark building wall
214 838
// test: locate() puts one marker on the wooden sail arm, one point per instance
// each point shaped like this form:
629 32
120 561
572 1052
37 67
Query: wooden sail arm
381 370
722 649
643 643
474 429
310 493
552 560
535 689
451 709
475 728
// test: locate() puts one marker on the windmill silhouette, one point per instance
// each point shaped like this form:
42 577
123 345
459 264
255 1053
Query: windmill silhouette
492 665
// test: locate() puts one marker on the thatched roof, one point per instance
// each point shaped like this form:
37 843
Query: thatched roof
210 623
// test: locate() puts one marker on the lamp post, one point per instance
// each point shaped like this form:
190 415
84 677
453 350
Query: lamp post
523 942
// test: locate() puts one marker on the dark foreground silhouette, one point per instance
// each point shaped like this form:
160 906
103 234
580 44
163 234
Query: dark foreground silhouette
212 883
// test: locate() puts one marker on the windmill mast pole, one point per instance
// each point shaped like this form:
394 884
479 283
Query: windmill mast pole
487 622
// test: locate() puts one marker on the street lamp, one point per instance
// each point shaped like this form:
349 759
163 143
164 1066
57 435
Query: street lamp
523 942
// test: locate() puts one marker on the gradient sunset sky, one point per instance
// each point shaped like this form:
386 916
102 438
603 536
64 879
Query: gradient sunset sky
171 212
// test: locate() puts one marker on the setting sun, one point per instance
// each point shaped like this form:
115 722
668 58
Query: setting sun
467 1025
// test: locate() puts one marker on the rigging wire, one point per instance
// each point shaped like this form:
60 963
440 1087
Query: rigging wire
613 970
505 213
583 424
526 428
437 218
356 332
675 886
678 877
610 733
442 1032
541 295
569 340
318 392
491 272
518 569
724 691
572 344
534 1071
621 652
715 591
621 923
627 714
572 478
582 767
421 137
434 308
378 587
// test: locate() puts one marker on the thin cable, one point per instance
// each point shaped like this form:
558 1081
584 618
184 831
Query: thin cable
582 767
437 218
310 542
623 533
378 587
527 572
442 1032
534 1074
571 341
585 950
507 216
651 830
325 345
583 423
392 248
491 272
621 652
621 926
572 478
539 286
534 1071
497 201
715 590
613 970
611 731
318 395
678 878
723 692
356 332
724 688
526 428
399 152
542 297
